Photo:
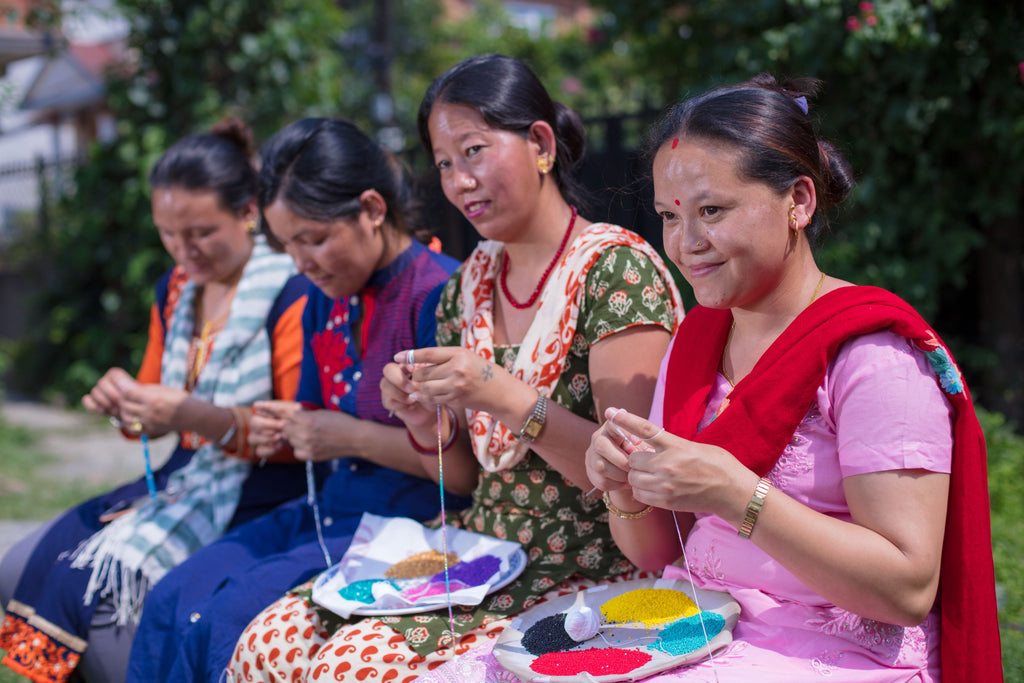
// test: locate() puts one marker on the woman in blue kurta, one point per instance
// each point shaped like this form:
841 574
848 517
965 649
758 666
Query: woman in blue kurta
230 302
376 292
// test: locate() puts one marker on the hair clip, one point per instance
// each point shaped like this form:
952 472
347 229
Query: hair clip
802 103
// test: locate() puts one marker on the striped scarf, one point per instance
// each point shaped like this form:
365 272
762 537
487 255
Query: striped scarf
136 550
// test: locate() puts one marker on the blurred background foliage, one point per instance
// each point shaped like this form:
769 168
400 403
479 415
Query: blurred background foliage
926 99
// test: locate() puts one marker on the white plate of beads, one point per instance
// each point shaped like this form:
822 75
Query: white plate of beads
629 630
395 566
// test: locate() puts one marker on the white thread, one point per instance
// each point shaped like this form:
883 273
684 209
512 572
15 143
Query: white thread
700 612
652 438
312 500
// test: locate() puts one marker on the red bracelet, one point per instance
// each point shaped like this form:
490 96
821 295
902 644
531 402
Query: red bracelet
447 443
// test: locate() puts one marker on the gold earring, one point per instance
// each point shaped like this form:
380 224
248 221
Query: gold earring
250 226
793 225
544 165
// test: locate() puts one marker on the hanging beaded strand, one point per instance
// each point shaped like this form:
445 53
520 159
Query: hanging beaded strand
547 271
696 601
444 531
150 480
679 535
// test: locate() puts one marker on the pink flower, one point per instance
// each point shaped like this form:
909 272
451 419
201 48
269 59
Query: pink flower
572 85
852 23
1021 68
866 7
872 20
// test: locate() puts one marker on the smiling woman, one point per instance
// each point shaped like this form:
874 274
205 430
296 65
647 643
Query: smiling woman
812 449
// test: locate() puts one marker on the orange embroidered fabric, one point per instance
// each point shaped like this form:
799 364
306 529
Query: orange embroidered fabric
35 655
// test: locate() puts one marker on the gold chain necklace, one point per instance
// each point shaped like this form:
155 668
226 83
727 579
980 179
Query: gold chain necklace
732 328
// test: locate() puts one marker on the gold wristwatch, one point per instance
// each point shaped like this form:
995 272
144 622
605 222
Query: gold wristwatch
534 423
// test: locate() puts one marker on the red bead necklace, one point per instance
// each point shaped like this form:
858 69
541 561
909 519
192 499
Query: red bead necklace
547 271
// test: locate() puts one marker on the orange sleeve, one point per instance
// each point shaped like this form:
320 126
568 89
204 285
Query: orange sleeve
286 342
286 362
149 371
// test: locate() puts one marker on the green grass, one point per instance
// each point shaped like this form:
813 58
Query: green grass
1005 473
24 492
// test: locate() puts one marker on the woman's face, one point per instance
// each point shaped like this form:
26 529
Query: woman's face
339 257
209 241
487 173
729 235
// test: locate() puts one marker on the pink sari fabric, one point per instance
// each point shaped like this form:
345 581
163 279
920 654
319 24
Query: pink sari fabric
787 633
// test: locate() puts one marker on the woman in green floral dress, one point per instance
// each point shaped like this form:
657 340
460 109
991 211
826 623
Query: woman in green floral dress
551 320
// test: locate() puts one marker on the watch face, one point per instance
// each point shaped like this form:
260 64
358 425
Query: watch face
532 428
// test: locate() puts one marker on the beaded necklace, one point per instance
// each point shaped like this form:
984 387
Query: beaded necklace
547 271
199 351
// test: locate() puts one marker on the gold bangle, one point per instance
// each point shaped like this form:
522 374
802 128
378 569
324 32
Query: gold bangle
621 514
754 507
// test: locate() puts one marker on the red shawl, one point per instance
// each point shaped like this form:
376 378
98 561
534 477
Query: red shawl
766 406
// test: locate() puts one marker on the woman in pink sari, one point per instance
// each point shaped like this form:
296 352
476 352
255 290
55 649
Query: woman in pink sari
812 441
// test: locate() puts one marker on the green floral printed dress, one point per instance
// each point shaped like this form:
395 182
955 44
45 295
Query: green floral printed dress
565 533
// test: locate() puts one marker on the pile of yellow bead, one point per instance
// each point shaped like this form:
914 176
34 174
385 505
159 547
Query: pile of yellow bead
649 606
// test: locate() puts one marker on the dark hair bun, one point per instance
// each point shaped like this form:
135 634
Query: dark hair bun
571 136
237 132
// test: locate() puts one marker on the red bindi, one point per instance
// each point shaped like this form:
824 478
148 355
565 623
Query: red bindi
675 141
677 203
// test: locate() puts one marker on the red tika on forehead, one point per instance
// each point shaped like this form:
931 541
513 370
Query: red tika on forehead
675 141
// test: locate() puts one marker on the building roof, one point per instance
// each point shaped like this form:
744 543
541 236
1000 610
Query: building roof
18 43
73 79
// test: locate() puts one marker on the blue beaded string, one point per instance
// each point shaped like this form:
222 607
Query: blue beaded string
150 480
444 532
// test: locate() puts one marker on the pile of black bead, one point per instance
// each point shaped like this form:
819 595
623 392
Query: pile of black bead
548 635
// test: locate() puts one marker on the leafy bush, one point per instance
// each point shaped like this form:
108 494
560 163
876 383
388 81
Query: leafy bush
1005 472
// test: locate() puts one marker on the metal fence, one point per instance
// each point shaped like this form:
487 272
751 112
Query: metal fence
26 190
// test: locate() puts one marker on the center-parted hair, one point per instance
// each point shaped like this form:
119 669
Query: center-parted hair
509 96
767 123
319 167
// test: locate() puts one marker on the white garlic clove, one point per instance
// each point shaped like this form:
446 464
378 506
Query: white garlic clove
581 622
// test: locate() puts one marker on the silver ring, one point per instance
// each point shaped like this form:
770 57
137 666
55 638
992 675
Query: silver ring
410 357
